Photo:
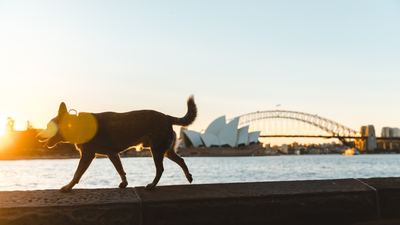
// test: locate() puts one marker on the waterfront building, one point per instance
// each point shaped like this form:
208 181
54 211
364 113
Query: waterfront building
390 132
285 149
221 139
219 134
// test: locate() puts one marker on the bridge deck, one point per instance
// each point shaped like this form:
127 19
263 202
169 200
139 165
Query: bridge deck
324 136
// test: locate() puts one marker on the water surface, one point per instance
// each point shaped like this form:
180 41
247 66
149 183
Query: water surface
53 174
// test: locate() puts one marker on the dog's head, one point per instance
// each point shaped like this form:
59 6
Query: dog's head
52 134
74 129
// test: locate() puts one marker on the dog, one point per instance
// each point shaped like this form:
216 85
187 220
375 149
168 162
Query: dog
113 133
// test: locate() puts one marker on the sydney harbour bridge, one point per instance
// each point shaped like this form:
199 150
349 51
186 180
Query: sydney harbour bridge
292 124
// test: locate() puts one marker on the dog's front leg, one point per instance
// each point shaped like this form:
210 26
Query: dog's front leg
84 162
116 161
158 162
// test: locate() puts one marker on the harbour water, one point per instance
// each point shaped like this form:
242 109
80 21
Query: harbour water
52 174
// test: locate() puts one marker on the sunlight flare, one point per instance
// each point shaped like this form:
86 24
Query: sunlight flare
50 131
78 129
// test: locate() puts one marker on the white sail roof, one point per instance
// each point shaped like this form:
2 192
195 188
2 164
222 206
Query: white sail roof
253 137
229 132
218 133
243 136
194 137
219 142
208 139
216 126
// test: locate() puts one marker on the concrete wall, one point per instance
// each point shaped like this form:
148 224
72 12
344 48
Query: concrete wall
345 201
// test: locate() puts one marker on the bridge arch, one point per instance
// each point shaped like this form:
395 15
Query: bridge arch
324 124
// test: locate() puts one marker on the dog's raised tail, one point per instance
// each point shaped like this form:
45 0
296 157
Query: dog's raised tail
190 115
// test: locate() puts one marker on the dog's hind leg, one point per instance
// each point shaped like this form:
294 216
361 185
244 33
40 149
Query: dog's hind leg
116 161
158 157
170 154
84 162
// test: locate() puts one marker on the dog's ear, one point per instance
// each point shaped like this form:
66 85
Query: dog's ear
62 109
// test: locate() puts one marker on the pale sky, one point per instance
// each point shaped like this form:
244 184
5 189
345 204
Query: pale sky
337 59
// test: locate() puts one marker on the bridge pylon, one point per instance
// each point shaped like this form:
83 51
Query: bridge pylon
369 141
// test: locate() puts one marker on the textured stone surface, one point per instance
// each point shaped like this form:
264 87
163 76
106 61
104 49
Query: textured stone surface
347 201
389 196
80 206
295 202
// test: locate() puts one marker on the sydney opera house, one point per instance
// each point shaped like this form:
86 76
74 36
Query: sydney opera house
220 138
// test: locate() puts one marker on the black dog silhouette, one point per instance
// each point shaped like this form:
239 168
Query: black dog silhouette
117 132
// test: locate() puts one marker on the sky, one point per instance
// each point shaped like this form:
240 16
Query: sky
337 59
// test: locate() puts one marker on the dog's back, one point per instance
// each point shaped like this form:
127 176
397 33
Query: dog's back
120 131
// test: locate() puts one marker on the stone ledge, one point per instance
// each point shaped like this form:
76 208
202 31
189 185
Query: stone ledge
80 206
388 195
344 201
291 202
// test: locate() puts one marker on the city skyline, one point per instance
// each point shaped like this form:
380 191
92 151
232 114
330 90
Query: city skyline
338 60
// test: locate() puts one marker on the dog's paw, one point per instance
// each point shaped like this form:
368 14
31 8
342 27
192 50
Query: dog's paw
123 184
150 186
65 189
189 178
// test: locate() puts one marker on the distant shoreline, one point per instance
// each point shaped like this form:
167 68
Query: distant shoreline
131 156
37 157
58 157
